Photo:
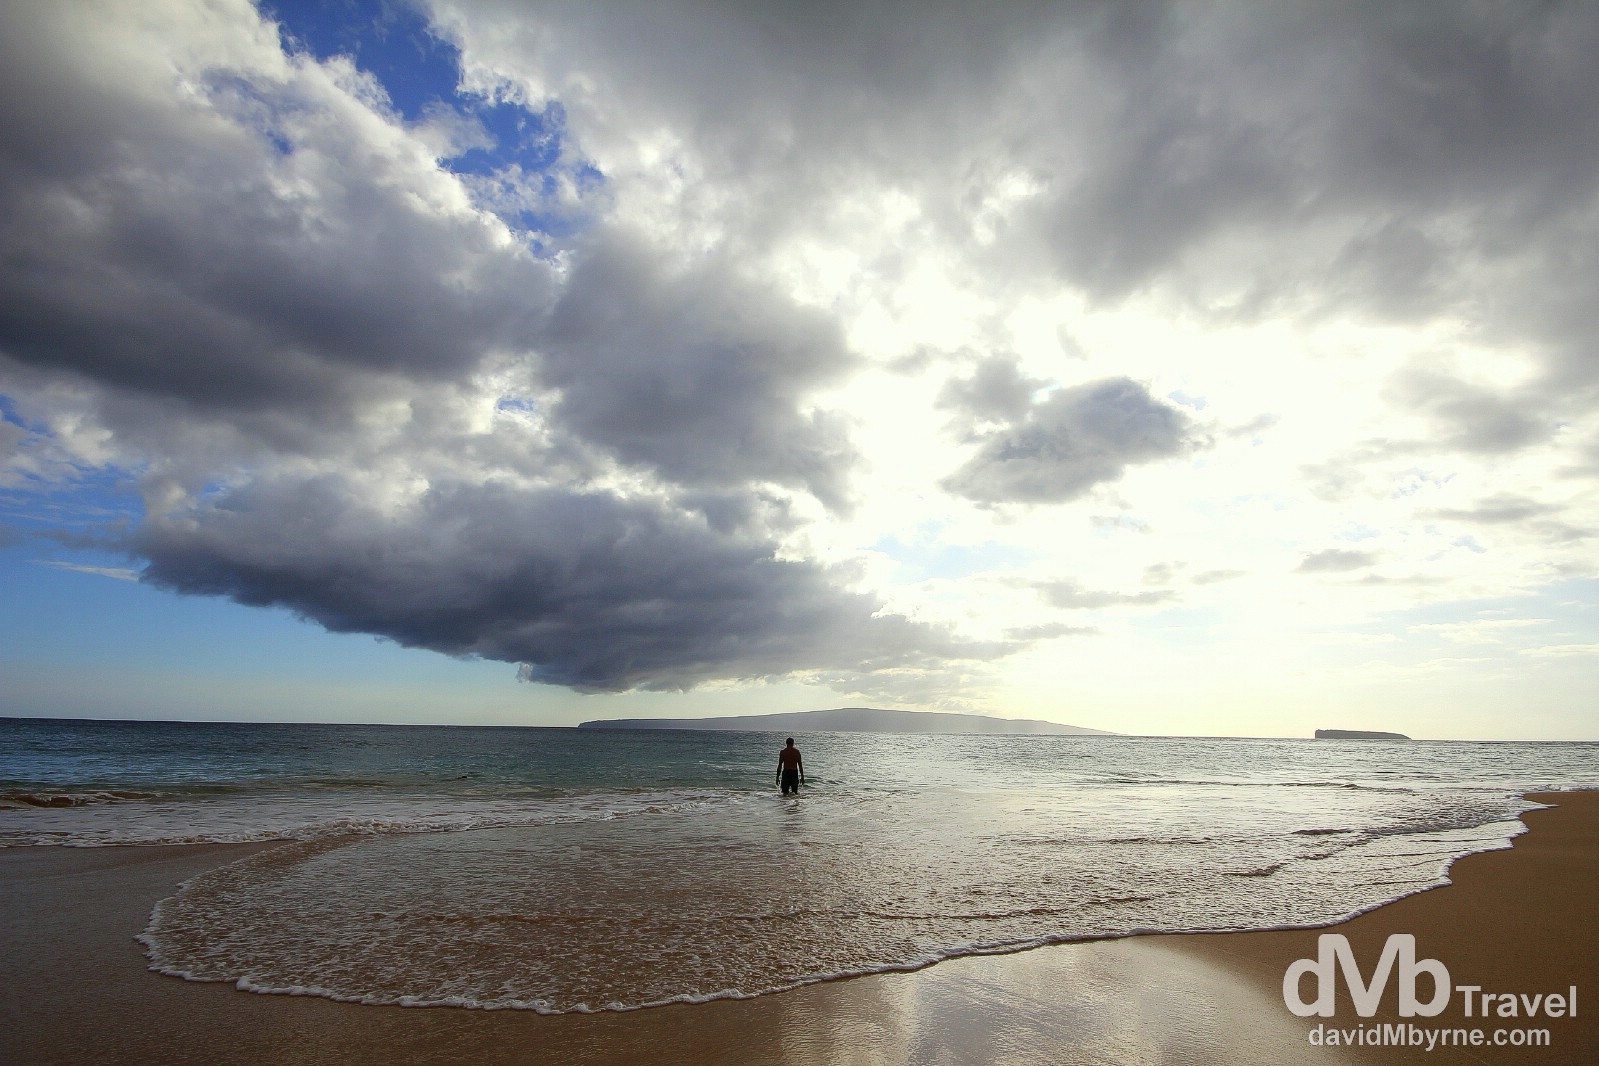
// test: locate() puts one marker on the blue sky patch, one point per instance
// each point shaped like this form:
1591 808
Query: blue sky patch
421 73
391 41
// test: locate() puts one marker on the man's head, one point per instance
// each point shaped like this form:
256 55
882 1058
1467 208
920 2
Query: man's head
791 742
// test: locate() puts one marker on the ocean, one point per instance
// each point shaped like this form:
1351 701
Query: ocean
563 870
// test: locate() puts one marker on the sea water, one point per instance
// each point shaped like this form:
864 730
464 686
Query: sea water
575 870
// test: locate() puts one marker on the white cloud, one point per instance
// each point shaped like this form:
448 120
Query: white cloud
120 573
1562 651
1480 631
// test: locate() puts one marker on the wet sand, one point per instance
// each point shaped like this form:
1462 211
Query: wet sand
74 987
1518 921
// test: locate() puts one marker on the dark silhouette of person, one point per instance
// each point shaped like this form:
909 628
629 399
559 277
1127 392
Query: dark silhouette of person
790 769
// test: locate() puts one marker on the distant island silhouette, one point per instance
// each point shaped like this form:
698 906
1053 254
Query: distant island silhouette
1357 734
857 720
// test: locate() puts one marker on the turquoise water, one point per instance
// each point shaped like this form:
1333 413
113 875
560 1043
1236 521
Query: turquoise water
562 869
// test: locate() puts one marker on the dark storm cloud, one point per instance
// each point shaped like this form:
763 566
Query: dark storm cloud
250 256
592 591
222 267
1335 561
1397 162
238 272
225 243
1155 126
1392 160
1070 441
695 373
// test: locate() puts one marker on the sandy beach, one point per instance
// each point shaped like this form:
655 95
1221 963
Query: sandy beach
76 988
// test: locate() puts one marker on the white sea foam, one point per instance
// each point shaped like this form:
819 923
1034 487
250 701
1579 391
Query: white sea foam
745 899
56 799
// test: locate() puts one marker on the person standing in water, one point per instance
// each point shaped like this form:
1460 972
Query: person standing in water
790 769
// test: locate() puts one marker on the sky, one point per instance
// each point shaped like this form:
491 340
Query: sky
1176 369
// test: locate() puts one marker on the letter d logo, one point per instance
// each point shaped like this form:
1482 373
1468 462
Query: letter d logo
1322 967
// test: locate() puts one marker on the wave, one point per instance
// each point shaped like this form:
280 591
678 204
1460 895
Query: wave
1264 871
159 963
906 934
259 821
55 798
1210 782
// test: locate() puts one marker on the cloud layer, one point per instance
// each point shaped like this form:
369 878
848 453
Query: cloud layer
1086 293
593 592
243 267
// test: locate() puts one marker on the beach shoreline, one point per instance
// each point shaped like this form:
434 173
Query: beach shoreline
1512 921
76 986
